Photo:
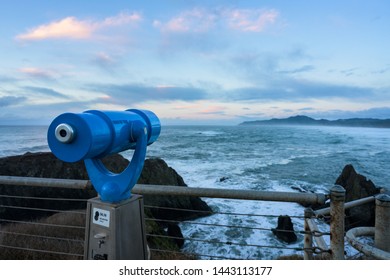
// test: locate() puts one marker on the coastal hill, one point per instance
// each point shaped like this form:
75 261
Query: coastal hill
304 120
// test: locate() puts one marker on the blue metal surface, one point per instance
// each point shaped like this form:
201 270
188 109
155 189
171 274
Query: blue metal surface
91 135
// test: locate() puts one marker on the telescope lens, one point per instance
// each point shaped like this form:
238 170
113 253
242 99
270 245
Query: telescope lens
64 133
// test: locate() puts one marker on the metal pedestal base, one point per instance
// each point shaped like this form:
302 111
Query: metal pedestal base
115 231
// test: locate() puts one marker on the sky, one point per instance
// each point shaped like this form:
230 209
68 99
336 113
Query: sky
195 62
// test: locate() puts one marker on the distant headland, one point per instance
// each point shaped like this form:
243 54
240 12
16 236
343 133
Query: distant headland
304 120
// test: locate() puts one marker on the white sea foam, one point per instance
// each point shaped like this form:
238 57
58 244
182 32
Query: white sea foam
209 133
307 158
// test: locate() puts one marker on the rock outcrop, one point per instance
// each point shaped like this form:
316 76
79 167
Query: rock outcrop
285 229
157 172
357 186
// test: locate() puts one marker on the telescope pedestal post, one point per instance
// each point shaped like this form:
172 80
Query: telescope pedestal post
115 231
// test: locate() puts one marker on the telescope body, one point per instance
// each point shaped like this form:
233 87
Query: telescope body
94 134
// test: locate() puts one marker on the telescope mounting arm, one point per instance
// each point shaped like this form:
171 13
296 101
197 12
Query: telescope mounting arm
113 187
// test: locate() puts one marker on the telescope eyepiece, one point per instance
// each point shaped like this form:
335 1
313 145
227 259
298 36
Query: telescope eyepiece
64 133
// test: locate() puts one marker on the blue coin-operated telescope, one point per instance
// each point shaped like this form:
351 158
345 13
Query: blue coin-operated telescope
115 227
91 135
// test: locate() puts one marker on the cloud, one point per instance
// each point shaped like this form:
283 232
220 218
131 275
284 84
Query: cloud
195 20
213 110
250 20
104 61
379 112
383 70
298 90
202 20
349 72
121 19
266 67
46 92
205 29
37 73
271 78
73 28
6 101
255 67
40 114
305 68
136 93
376 112
7 79
70 28
306 109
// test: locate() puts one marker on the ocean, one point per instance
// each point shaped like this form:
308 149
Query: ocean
274 158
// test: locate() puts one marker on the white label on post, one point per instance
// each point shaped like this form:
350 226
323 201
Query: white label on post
101 217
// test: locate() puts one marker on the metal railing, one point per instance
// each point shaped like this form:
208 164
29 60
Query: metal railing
313 242
336 212
61 236
310 198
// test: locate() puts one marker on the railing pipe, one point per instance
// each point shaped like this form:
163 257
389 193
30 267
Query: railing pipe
308 238
337 198
310 198
232 194
45 182
370 251
382 222
319 240
347 205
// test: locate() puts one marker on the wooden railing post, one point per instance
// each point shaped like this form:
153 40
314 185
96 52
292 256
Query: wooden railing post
382 222
308 239
337 215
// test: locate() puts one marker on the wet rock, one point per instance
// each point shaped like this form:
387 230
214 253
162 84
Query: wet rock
285 229
357 186
223 179
175 232
157 172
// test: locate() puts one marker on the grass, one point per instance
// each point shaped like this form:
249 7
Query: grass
35 240
39 241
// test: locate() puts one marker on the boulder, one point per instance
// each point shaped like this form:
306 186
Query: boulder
175 232
285 229
357 186
40 165
223 179
157 172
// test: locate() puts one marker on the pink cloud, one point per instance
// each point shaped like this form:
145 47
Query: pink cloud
121 19
213 110
68 27
202 20
195 20
37 73
73 28
186 107
251 20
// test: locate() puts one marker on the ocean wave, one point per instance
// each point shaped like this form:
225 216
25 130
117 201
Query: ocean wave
209 133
